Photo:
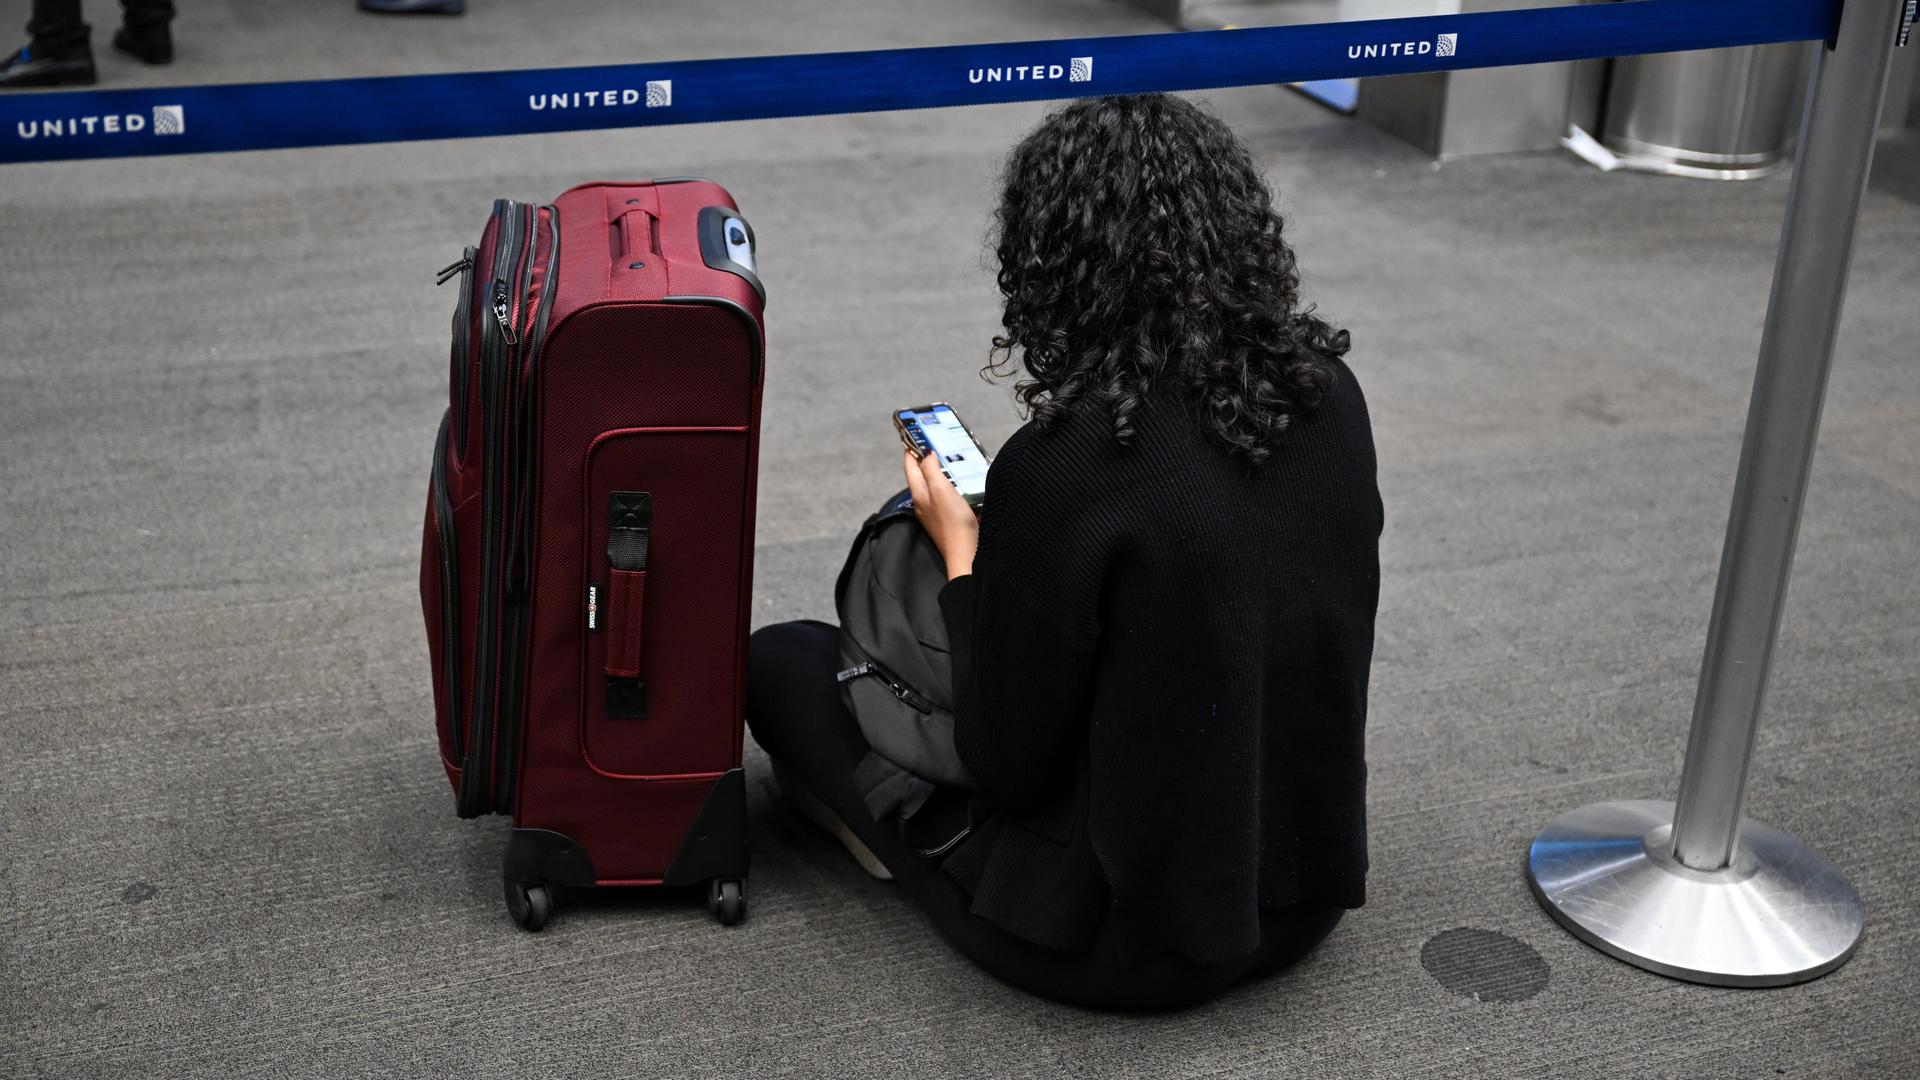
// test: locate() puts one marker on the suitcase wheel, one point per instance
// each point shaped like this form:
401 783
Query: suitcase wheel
727 899
529 905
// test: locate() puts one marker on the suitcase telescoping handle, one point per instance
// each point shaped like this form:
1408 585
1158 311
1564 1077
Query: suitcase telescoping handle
629 525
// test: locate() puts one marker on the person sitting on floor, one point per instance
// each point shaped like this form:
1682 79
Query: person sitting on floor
1162 620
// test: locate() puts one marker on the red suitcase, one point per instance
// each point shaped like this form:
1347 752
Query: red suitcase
588 552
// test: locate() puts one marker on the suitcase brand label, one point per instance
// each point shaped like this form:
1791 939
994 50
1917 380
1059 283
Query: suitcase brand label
593 605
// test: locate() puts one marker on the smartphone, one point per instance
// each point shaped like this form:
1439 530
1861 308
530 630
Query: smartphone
936 429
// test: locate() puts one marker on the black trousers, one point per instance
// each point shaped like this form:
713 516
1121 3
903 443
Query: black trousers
58 31
796 714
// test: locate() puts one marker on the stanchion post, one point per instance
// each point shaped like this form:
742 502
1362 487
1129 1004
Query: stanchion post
1691 889
1783 421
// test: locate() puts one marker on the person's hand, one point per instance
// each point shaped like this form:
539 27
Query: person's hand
945 513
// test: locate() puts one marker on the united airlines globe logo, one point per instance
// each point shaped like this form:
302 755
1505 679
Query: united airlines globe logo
659 93
169 120
1080 69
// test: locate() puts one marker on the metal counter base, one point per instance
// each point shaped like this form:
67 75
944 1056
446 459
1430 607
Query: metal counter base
1780 914
1640 156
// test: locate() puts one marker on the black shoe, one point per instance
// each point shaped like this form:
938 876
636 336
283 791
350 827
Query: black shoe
148 44
415 7
24 69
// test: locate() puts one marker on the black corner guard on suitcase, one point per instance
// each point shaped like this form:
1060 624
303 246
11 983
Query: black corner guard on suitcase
716 845
542 856
537 861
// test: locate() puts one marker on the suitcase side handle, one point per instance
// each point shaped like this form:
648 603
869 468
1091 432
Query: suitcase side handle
629 523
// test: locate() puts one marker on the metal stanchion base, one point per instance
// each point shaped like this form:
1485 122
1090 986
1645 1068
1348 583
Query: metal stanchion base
1780 914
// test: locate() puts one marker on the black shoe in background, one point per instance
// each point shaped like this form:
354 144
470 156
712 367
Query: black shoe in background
415 7
25 68
148 44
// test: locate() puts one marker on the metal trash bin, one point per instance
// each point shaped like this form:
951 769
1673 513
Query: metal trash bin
1722 114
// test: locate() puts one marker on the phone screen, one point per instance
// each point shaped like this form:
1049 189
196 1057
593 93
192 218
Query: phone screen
937 430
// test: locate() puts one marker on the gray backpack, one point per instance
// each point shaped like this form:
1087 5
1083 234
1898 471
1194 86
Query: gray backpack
897 673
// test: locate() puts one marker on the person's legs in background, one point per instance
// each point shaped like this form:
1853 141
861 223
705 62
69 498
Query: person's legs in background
57 52
60 50
148 32
56 30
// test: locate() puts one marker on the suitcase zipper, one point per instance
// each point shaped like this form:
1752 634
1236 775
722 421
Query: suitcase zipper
518 606
478 776
460 266
462 342
520 552
503 311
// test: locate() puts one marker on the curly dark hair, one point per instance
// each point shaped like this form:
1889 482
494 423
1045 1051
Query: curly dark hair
1138 243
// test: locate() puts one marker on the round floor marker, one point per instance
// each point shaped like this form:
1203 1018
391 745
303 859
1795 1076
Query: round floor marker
1484 965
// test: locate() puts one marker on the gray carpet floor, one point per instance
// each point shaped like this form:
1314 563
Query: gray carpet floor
226 848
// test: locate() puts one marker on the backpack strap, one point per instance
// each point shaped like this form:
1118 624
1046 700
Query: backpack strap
895 508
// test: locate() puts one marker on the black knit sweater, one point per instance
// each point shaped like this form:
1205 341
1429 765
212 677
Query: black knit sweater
1160 666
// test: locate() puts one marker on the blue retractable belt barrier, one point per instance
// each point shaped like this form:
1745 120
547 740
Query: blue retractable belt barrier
264 116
